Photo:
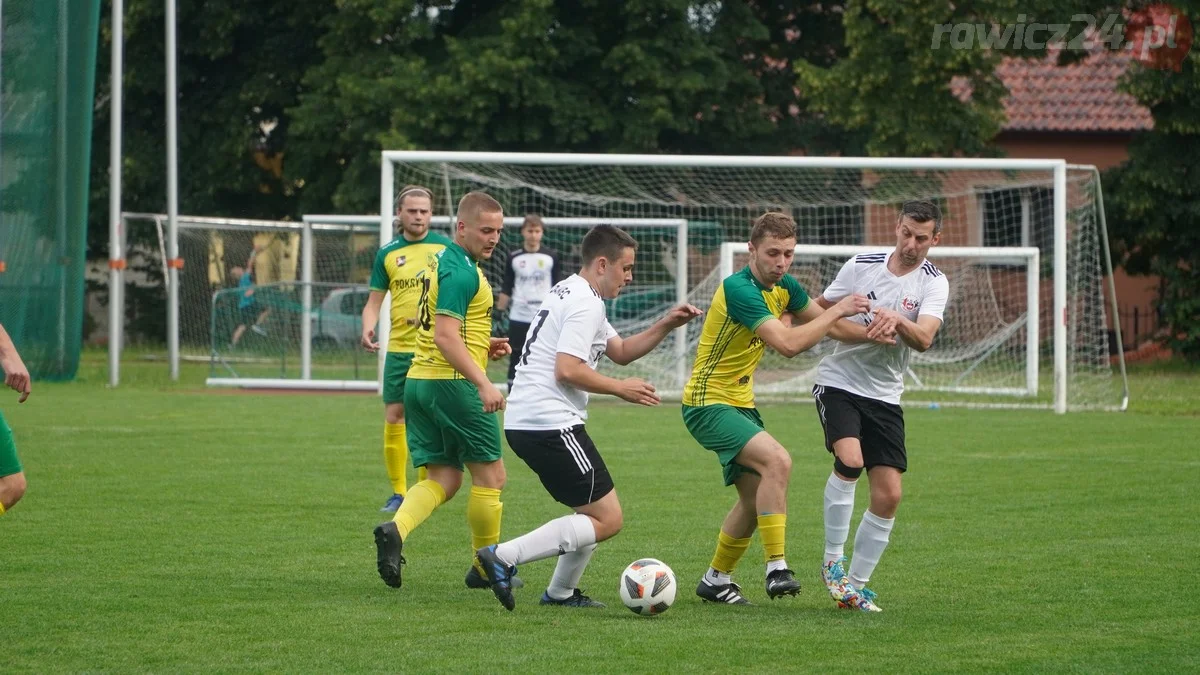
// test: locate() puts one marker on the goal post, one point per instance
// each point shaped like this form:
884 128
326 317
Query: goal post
967 262
987 203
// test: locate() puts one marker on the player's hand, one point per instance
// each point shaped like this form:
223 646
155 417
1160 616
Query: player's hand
680 315
492 399
639 391
499 348
853 304
16 377
368 340
883 326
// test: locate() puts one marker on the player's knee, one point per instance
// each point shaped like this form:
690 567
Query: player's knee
847 471
610 525
779 464
13 489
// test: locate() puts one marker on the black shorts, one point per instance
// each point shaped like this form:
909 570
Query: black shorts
879 426
566 461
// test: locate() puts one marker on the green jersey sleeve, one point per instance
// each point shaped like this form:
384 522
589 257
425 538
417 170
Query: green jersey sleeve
797 296
379 275
457 285
745 304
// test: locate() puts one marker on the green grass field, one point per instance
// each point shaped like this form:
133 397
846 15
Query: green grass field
173 529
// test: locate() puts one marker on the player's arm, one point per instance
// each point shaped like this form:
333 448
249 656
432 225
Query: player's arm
842 330
448 339
370 315
455 291
16 376
917 334
623 351
370 319
792 341
574 371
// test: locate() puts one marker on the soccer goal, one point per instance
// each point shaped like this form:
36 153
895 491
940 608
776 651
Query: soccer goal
335 257
992 357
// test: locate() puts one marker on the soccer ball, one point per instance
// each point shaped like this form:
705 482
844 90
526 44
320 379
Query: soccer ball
648 587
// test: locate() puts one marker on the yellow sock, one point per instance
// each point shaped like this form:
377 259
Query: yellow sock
421 501
395 457
483 515
422 473
729 552
1 508
771 527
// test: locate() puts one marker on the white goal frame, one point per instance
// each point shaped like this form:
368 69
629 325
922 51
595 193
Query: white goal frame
1027 256
387 233
1057 168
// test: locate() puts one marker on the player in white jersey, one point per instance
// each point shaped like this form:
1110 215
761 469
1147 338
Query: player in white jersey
544 422
858 390
529 272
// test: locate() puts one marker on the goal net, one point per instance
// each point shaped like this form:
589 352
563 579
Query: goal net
983 353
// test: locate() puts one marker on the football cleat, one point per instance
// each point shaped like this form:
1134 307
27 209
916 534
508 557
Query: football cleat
834 576
476 580
387 549
393 504
577 599
863 600
728 594
499 575
782 582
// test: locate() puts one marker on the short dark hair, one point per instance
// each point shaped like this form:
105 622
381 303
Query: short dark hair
922 212
533 219
772 224
475 204
605 241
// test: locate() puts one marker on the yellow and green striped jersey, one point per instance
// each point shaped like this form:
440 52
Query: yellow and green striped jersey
729 350
399 268
457 288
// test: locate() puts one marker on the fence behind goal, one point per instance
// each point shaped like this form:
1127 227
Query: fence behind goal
1043 204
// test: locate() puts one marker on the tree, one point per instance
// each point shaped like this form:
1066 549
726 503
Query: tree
1153 200
239 70
544 75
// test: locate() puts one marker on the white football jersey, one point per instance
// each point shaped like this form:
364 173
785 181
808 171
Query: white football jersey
571 321
869 369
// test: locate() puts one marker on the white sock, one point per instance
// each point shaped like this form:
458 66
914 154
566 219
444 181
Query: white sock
773 565
869 543
839 507
557 537
715 578
569 571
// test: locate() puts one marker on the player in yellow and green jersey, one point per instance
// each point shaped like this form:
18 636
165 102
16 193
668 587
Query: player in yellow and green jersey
450 402
399 269
16 377
718 400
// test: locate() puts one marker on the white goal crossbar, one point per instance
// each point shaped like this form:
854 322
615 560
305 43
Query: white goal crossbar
1027 257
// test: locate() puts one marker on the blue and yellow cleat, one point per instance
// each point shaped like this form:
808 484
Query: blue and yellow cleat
834 576
393 504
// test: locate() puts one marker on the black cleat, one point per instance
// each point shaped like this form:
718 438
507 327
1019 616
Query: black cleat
387 549
499 575
476 580
782 582
577 599
728 594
